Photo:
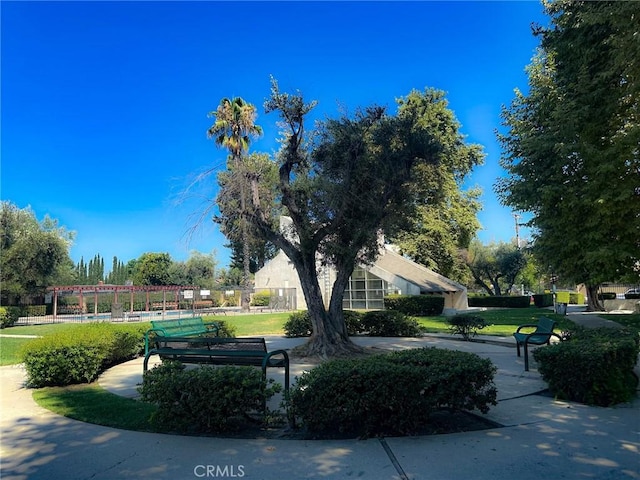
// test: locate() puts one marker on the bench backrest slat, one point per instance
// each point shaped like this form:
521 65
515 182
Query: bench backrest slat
179 327
545 325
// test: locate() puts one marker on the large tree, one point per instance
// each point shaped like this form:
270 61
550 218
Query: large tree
342 186
496 266
33 254
231 183
446 215
571 145
232 129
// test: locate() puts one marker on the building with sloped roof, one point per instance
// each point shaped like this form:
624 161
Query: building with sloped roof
390 274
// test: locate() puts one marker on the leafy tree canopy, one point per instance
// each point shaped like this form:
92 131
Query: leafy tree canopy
33 254
571 145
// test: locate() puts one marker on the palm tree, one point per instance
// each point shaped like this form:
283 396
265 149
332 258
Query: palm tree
233 128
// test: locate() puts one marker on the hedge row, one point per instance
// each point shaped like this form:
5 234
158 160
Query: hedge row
416 305
500 301
375 323
393 393
593 366
79 355
204 400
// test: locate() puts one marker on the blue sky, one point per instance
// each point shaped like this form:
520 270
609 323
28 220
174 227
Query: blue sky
104 104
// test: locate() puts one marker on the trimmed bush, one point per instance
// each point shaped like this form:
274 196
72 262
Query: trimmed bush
591 366
466 325
607 296
576 298
261 299
563 297
501 301
204 399
9 316
543 300
298 325
390 323
393 393
632 296
80 354
417 305
353 321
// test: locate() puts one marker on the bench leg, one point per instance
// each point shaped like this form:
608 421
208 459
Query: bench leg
526 357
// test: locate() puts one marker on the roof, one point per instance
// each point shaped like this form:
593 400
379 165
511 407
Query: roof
427 280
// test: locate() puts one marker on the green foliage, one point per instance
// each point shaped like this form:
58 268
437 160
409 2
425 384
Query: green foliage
592 366
575 135
8 316
419 305
542 300
501 301
466 325
495 266
353 322
607 296
261 300
391 394
576 298
298 324
153 269
204 399
390 323
563 297
225 328
33 254
79 355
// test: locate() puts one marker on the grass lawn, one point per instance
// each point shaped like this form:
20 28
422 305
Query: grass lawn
628 320
92 404
501 322
254 324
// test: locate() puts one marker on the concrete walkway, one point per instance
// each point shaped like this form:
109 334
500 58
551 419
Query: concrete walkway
540 437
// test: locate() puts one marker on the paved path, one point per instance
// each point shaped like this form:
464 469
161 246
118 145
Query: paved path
540 438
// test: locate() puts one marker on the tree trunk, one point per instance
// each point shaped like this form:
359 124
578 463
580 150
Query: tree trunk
594 304
245 296
329 334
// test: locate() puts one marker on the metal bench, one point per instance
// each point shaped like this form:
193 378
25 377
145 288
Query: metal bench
181 327
540 336
220 351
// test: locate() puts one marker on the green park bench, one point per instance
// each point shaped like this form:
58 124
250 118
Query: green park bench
540 336
181 327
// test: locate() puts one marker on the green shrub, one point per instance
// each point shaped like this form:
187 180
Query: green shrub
501 301
298 325
576 298
80 354
204 399
261 299
393 393
607 296
543 300
389 323
591 366
9 316
417 305
225 329
353 321
632 296
466 325
563 297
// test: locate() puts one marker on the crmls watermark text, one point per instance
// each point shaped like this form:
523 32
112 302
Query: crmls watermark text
219 471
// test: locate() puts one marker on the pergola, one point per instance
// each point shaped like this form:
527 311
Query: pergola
83 291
